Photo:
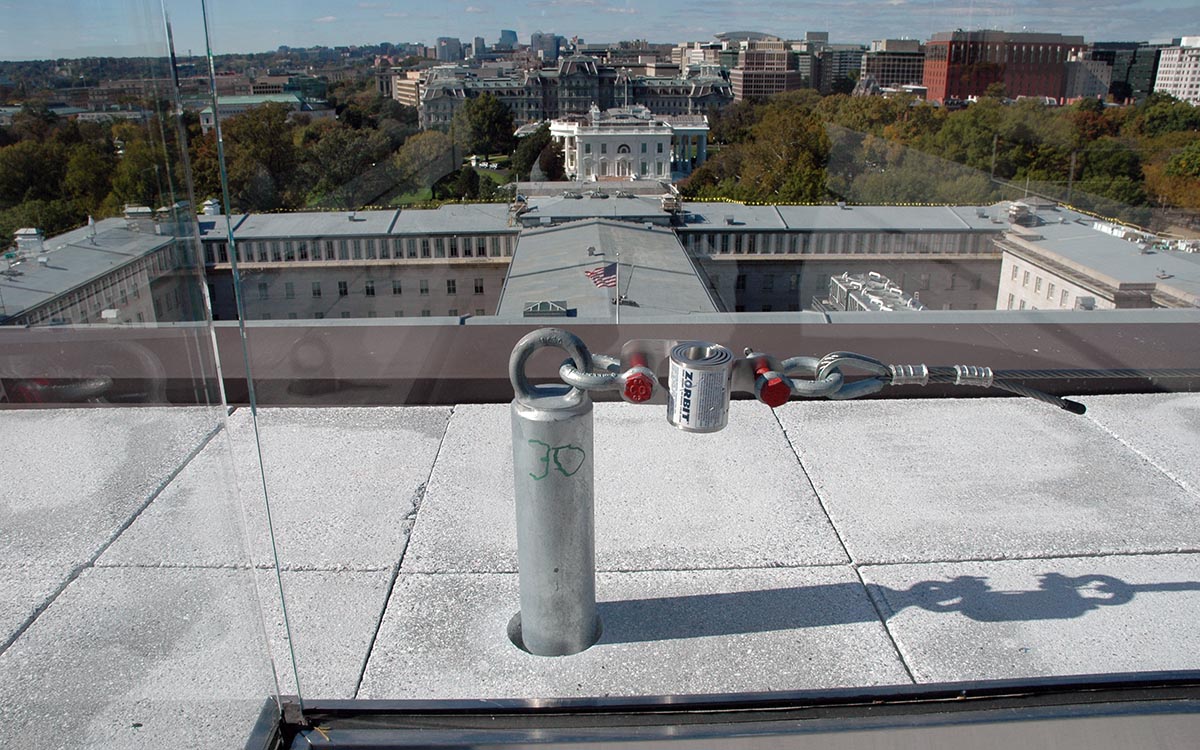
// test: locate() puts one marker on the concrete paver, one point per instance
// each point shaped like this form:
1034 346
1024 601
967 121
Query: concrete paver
665 632
72 477
665 499
721 572
1162 426
342 485
1035 618
23 590
956 479
139 658
333 617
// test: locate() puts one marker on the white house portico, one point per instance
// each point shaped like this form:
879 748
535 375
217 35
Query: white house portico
630 143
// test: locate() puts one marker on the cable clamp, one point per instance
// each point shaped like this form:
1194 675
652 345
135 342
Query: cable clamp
909 374
971 375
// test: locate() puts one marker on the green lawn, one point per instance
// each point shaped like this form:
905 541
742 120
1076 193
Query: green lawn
417 196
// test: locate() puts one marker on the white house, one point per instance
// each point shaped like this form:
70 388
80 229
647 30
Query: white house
631 143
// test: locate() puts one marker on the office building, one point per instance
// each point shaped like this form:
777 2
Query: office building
839 64
1134 67
228 106
764 67
571 87
449 49
1179 70
1087 78
544 46
894 62
1067 261
963 64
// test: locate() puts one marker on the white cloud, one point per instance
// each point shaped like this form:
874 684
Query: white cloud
630 11
325 19
475 9
396 14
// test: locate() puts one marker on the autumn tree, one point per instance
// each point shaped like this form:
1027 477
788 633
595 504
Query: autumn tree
424 159
261 157
484 125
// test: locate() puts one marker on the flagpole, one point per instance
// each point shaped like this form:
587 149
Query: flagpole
618 289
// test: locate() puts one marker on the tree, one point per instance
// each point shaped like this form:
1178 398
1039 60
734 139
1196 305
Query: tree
1186 163
138 176
261 157
51 216
340 165
424 159
88 178
484 125
466 185
30 170
551 162
529 151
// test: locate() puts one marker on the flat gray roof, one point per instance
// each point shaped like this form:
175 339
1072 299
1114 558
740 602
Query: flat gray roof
656 275
309 224
630 208
850 218
456 218
1118 261
451 218
74 260
903 218
713 216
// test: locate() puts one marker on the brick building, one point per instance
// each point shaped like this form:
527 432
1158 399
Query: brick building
962 64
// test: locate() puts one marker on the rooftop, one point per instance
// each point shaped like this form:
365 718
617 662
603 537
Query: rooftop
1114 260
791 551
73 259
656 274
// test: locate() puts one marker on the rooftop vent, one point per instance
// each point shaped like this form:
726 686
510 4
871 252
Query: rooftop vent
547 309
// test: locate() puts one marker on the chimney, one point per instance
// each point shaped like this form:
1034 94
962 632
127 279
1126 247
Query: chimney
30 241
139 219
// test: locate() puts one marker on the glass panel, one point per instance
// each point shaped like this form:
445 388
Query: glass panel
137 610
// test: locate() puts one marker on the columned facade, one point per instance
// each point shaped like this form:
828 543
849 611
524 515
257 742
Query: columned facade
631 143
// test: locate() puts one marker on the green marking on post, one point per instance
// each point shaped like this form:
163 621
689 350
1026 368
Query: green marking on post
568 459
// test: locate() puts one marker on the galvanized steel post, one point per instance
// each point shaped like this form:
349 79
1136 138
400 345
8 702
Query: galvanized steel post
555 490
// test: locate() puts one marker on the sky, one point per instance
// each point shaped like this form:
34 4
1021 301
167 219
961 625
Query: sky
80 28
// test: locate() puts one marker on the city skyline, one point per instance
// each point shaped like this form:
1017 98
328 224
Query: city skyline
35 32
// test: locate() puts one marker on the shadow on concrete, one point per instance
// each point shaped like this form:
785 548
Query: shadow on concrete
1058 597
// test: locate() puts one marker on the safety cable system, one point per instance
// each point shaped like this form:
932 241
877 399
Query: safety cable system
774 381
553 446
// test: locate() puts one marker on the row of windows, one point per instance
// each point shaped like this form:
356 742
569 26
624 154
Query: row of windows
426 313
369 288
370 248
1024 275
768 282
114 289
835 243
621 149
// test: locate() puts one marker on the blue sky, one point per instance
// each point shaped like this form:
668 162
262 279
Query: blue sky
74 28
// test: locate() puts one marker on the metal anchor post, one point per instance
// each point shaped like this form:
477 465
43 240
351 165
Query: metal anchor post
555 499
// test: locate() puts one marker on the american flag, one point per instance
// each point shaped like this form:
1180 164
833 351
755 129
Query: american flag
604 275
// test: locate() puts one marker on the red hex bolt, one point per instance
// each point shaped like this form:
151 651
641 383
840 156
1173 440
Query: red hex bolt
770 387
639 387
639 380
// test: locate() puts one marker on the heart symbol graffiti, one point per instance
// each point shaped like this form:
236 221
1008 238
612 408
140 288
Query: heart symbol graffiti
568 459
